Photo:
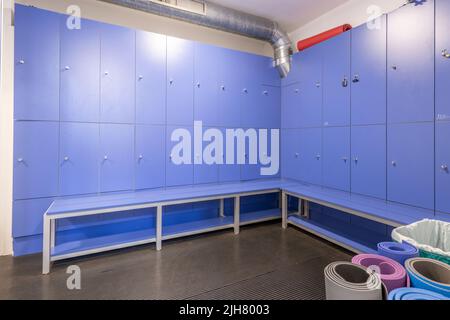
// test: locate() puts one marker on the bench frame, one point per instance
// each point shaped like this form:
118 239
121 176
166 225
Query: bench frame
49 236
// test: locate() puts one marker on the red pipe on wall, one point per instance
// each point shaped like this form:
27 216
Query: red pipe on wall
306 43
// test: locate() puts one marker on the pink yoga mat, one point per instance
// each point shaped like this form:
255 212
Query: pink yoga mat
392 273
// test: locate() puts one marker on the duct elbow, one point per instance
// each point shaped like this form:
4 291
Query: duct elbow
282 46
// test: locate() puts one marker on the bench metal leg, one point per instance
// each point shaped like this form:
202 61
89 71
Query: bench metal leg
46 250
237 215
222 208
52 233
305 212
284 209
159 211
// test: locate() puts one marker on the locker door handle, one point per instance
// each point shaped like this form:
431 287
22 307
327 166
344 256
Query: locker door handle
394 163
141 157
198 85
21 61
66 159
140 78
444 167
318 157
356 78
446 54
245 90
345 82
296 90
345 159
67 68
318 84
20 160
297 155
356 160
106 73
222 88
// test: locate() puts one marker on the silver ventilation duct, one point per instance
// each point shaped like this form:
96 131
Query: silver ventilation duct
218 17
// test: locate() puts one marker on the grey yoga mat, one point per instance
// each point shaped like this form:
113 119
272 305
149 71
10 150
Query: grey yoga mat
348 281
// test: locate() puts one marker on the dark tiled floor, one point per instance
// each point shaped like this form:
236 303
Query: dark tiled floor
263 262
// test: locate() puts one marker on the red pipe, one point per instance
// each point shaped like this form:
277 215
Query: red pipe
306 43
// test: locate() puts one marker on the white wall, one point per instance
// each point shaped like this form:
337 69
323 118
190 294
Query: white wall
6 130
354 12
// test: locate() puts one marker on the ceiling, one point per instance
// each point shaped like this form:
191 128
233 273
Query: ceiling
290 14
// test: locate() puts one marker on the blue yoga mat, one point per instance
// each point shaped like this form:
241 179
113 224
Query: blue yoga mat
429 274
399 252
414 294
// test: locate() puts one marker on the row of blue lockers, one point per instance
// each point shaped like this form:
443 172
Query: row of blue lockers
110 74
383 131
394 70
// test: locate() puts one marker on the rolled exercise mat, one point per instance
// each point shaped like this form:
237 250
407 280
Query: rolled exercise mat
399 252
414 294
348 281
391 272
309 42
429 274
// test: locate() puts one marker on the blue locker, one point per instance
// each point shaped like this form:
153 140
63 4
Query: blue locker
118 68
369 74
116 157
311 155
150 156
442 167
203 172
150 78
411 63
290 106
336 81
290 154
229 172
36 86
266 72
369 160
311 95
80 72
206 70
78 158
336 158
442 60
411 164
270 107
251 103
180 87
36 159
179 174
296 70
28 216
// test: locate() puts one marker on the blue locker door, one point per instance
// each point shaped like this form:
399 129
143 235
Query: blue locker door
229 172
411 63
116 157
442 60
311 155
270 109
150 78
204 171
311 95
411 164
28 216
118 64
251 171
369 160
179 174
336 158
290 106
78 158
290 154
180 87
251 105
150 156
36 86
369 74
206 108
80 72
442 167
36 159
266 72
336 81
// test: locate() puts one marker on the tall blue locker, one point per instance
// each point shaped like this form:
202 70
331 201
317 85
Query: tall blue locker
80 72
369 160
36 159
336 81
150 159
36 79
411 164
411 63
270 107
290 154
442 167
180 87
311 155
206 88
78 158
311 95
116 157
204 172
178 174
118 67
336 158
229 172
150 78
442 60
290 106
369 74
